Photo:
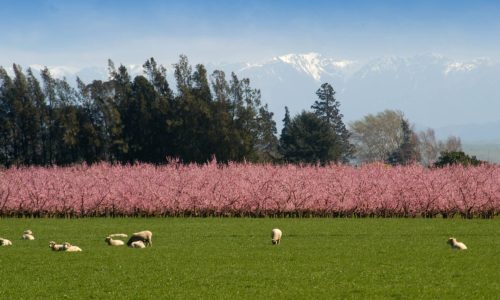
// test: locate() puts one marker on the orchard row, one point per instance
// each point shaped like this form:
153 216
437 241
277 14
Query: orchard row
374 190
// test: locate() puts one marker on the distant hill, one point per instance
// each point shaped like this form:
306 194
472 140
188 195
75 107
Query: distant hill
484 151
432 90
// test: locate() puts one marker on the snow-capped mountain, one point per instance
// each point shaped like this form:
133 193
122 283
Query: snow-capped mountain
432 90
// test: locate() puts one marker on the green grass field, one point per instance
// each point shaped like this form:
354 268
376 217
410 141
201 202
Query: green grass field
233 259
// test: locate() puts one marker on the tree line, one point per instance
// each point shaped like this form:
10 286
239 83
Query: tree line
46 121
127 120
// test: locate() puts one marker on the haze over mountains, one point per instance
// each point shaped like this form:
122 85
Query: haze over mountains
452 96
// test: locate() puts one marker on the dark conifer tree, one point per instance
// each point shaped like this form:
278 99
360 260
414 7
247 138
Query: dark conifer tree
309 140
327 107
284 140
266 143
162 113
90 137
130 120
119 111
40 118
7 156
222 131
49 90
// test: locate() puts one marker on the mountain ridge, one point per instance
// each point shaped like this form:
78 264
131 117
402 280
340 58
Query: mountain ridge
433 90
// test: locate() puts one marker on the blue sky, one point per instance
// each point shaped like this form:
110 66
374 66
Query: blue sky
86 33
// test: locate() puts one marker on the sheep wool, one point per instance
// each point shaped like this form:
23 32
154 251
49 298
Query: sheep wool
144 236
27 236
112 242
122 235
276 236
137 244
5 242
56 247
456 245
70 248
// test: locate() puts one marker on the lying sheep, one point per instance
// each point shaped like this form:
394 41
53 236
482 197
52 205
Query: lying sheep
144 236
276 236
5 242
27 236
56 247
112 242
456 245
70 248
27 231
122 235
137 244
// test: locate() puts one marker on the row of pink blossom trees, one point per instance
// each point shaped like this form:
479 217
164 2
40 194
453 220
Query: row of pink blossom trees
250 190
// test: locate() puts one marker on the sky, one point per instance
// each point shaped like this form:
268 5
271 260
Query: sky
87 33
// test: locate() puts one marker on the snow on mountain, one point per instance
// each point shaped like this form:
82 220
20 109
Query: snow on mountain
467 66
432 90
315 65
310 63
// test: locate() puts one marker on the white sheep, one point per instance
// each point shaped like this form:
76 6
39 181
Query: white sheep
137 244
144 236
276 236
122 235
112 242
56 247
70 248
27 231
456 245
27 236
5 242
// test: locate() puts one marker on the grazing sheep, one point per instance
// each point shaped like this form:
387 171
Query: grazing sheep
456 245
56 247
137 244
70 248
112 242
5 242
144 236
27 236
276 236
27 231
123 235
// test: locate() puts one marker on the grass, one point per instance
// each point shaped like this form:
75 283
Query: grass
232 258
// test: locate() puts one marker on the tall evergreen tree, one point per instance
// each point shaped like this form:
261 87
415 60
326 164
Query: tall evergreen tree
49 90
119 111
128 120
309 140
327 107
40 118
90 137
221 131
163 116
244 102
67 126
7 156
266 142
183 75
138 127
188 112
285 140
157 75
106 118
